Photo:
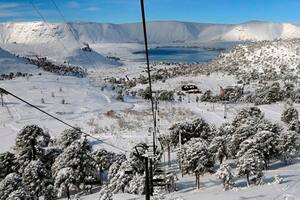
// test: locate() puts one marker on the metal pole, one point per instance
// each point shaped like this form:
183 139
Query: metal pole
180 160
147 179
225 110
2 103
151 177
148 71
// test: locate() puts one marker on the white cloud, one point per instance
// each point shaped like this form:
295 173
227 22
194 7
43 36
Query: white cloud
73 4
7 14
92 8
8 5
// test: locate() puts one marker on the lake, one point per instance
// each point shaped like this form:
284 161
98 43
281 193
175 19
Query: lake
178 54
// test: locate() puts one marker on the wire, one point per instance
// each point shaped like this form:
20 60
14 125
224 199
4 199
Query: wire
93 63
57 119
45 21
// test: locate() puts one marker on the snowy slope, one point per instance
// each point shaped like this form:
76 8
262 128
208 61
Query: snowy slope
10 63
159 32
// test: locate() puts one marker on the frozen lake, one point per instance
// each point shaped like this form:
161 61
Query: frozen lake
178 54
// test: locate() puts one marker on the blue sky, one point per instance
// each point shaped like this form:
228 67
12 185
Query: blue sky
121 11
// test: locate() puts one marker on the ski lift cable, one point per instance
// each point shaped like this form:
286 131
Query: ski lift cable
45 21
70 27
61 121
59 41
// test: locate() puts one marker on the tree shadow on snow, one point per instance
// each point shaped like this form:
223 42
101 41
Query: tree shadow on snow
253 197
281 164
270 180
10 103
187 186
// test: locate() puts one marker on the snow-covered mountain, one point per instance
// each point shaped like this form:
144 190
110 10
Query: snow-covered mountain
164 32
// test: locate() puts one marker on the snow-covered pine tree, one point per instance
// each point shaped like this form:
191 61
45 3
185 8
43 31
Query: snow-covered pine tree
250 164
195 129
226 129
105 194
67 137
245 114
20 194
114 168
66 179
288 145
50 193
121 179
29 144
294 125
78 157
242 133
8 164
121 174
289 115
10 184
196 158
269 94
218 147
265 125
36 177
104 159
136 185
289 90
225 174
265 142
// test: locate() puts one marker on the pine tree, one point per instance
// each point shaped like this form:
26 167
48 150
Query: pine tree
294 125
67 137
288 145
266 143
66 179
36 177
105 159
136 185
105 193
289 115
10 184
121 178
123 174
20 194
50 193
218 147
269 94
225 174
195 129
196 158
246 114
29 144
77 156
249 164
8 164
242 133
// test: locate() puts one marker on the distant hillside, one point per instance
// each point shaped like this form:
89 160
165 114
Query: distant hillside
165 32
10 63
269 59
